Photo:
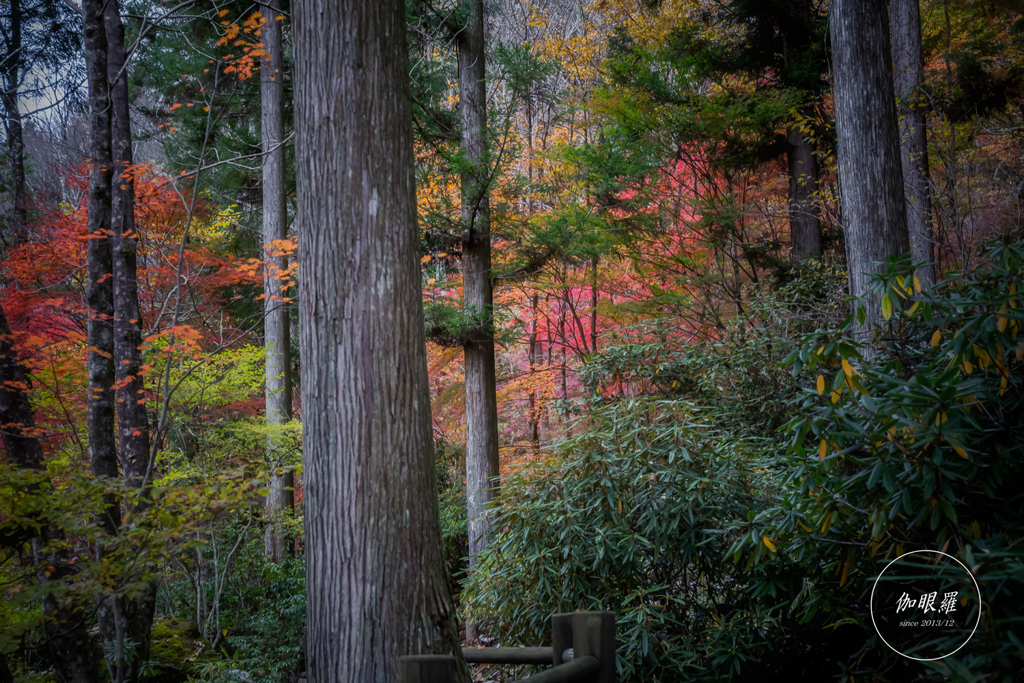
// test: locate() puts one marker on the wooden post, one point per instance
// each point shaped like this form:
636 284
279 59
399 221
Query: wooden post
426 669
561 636
586 633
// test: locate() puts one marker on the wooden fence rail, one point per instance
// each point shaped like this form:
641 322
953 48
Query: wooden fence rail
582 651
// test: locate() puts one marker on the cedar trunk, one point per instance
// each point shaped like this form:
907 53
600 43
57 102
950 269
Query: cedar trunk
276 329
481 400
804 223
68 644
375 577
912 103
868 150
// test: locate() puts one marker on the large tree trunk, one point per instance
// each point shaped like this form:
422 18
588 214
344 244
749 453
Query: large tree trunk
868 150
68 647
132 423
12 119
277 338
375 578
908 75
804 223
482 467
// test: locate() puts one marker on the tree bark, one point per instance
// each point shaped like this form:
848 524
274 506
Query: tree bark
132 421
15 141
870 176
100 285
277 337
908 75
375 578
100 299
804 223
482 464
69 649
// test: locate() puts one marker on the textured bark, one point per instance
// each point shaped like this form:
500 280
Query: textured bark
908 75
132 422
375 578
12 119
277 337
870 176
481 400
99 290
68 639
804 223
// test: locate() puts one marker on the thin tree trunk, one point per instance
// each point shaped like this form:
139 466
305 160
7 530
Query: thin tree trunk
100 298
277 332
908 76
534 421
804 223
868 150
69 649
593 305
132 423
482 465
376 583
15 140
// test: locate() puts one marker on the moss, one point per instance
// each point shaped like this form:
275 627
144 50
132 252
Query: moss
176 648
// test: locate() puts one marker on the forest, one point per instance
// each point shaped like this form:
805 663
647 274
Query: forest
334 332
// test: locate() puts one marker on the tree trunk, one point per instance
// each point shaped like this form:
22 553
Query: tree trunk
870 177
68 647
908 75
375 577
534 421
100 285
15 141
482 465
100 298
132 422
277 337
804 224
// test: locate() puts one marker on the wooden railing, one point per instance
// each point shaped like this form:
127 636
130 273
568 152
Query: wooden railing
582 651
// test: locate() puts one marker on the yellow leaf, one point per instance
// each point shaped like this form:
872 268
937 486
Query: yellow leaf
846 570
804 526
835 395
848 369
968 368
886 306
768 543
913 308
821 349
425 259
431 281
821 385
936 336
827 523
917 285
822 450
959 451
